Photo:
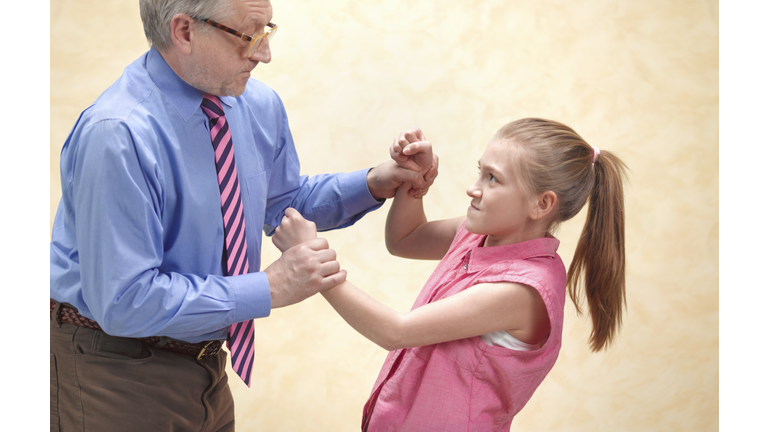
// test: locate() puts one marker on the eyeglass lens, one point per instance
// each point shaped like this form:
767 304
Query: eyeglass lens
256 42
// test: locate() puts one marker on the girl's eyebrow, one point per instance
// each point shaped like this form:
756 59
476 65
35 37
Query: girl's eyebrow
493 169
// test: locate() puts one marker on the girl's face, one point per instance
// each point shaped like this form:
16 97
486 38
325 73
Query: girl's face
499 208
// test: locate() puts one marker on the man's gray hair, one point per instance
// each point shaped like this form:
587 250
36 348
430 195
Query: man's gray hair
157 14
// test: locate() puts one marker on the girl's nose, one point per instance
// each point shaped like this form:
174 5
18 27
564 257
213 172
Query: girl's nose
473 190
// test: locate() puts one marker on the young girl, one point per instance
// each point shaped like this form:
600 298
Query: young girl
486 328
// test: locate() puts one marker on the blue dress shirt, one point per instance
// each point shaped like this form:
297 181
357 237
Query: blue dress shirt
138 237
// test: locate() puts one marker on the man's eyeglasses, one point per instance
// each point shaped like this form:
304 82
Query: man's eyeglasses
255 40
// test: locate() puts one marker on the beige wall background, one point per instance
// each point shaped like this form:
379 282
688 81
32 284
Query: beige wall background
637 78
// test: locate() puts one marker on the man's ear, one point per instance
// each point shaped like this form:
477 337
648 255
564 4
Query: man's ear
543 206
181 33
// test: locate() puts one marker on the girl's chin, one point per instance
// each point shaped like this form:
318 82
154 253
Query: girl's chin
469 226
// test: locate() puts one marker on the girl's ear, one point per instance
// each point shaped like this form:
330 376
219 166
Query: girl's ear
543 206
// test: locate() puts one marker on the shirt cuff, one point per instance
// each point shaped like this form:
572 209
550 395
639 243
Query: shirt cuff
355 194
252 296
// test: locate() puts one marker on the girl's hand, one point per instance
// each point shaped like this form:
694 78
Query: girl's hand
429 178
412 151
293 230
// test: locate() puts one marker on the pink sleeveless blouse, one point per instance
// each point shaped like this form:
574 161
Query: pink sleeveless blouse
467 385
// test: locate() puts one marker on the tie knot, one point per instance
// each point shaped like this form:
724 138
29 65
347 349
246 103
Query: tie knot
212 106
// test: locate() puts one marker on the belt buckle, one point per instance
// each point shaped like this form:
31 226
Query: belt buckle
205 347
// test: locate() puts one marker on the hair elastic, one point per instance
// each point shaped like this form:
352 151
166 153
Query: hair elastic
597 152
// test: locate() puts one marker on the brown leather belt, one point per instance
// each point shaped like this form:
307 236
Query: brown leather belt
201 350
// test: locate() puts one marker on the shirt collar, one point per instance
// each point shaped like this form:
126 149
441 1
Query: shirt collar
185 98
482 257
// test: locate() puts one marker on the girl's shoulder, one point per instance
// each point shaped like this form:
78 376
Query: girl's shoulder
535 263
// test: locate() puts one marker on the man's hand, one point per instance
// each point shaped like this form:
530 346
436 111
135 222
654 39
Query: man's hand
306 267
414 163
293 230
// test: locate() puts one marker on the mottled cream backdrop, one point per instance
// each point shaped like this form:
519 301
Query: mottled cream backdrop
637 78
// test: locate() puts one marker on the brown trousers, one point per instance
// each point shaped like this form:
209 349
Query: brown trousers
102 383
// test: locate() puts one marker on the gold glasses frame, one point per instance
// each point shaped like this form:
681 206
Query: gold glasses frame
255 40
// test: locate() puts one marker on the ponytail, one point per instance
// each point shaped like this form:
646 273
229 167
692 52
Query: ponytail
555 158
598 267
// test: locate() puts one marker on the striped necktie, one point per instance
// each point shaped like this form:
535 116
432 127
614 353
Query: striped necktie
240 337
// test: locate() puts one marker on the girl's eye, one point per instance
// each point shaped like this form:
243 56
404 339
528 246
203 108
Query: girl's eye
491 177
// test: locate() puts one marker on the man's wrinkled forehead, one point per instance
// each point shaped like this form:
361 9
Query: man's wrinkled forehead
254 11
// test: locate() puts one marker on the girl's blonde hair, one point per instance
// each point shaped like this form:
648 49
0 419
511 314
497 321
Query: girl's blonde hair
553 157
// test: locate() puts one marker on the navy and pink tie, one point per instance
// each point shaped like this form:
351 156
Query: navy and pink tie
240 337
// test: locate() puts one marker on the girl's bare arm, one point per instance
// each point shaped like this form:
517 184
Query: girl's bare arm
478 310
408 234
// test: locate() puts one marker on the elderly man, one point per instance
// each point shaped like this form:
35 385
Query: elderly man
155 252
